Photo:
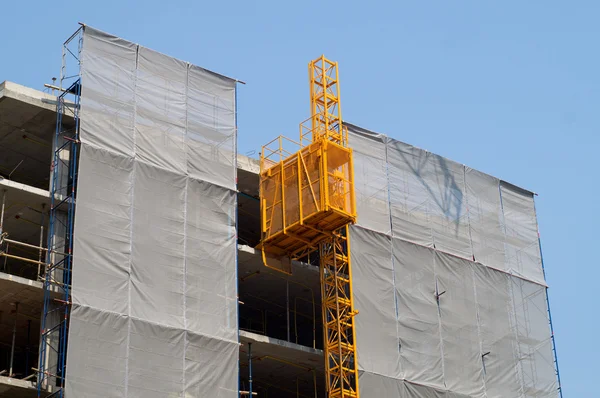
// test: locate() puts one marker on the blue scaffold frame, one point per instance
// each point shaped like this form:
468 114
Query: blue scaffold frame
59 258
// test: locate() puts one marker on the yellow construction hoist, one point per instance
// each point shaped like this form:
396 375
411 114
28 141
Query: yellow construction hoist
307 203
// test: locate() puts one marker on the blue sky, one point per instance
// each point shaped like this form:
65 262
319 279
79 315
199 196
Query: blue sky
511 88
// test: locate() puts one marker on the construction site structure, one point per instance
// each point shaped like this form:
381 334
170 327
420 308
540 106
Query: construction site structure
307 201
134 238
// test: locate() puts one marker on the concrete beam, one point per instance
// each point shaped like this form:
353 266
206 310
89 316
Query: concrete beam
280 368
285 349
31 193
28 95
30 296
247 164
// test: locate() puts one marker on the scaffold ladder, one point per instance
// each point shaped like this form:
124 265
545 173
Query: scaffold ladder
59 256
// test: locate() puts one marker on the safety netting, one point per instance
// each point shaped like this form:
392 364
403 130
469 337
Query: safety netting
447 278
154 290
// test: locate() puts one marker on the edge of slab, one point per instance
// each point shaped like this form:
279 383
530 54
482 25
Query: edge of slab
259 338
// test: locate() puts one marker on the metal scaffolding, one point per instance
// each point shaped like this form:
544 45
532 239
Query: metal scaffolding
59 258
25 254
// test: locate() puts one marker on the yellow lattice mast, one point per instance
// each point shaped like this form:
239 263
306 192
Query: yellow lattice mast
307 202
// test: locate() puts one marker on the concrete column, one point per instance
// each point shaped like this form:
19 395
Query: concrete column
2 211
14 336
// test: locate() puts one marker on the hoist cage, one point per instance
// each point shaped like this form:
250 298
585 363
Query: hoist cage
307 194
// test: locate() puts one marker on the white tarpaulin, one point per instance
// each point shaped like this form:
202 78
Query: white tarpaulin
432 201
428 200
372 272
370 179
447 323
154 286
448 279
485 218
522 254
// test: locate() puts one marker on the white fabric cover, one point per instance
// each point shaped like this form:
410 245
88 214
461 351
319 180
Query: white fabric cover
108 68
535 343
450 289
463 370
409 197
485 218
429 200
154 286
461 328
418 314
498 338
523 255
372 272
370 178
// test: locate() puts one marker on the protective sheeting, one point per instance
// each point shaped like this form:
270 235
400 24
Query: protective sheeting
448 208
418 313
177 116
485 218
154 291
103 224
409 198
375 385
157 257
452 279
523 255
449 326
370 178
108 104
211 367
461 348
210 273
211 130
498 338
120 356
429 200
160 105
372 273
99 342
535 343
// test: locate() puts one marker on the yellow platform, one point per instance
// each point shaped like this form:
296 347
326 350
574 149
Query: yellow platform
306 195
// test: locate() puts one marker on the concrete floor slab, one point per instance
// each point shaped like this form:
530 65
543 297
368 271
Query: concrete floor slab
27 125
281 368
15 388
30 297
265 307
248 164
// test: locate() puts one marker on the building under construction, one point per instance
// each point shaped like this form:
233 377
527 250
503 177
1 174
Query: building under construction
142 256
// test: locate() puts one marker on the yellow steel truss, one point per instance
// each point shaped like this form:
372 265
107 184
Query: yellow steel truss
307 202
326 112
341 365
